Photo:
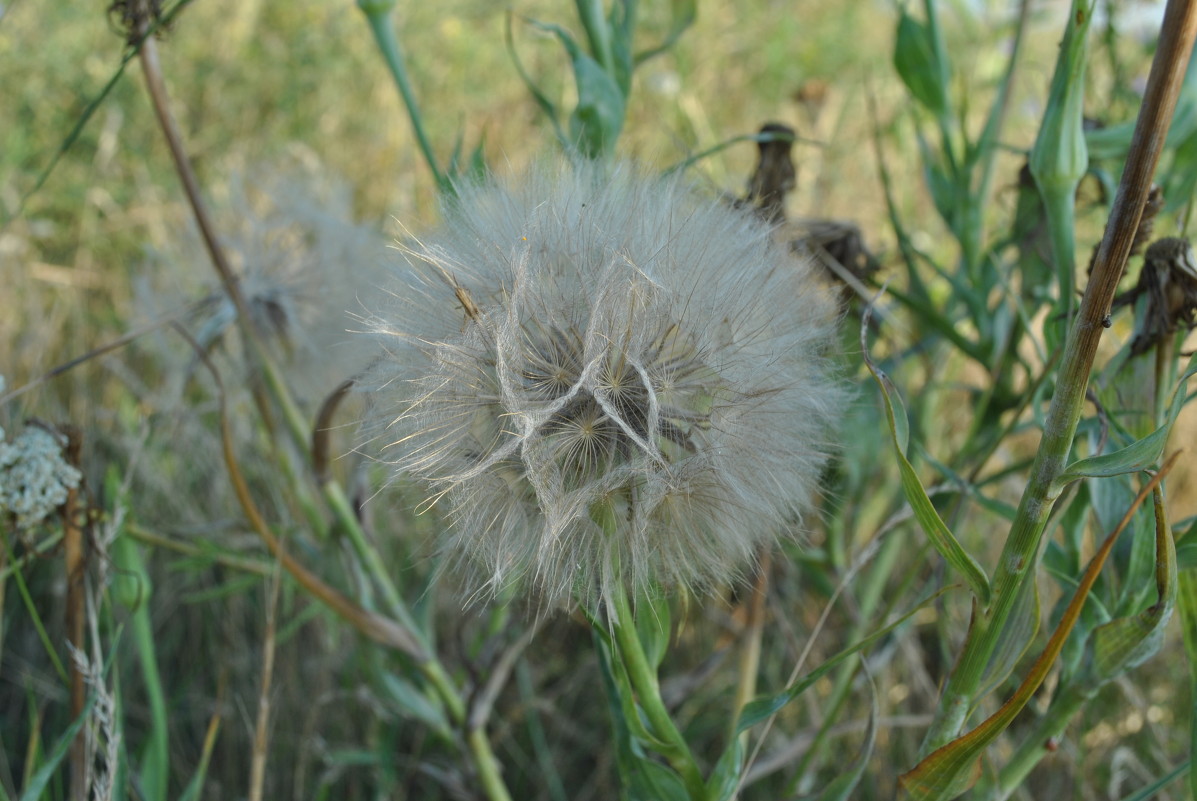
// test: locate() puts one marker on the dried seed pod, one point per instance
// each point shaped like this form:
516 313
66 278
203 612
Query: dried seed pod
1169 282
775 175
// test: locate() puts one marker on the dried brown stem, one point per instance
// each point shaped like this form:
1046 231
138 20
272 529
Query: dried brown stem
74 550
378 628
1159 101
152 69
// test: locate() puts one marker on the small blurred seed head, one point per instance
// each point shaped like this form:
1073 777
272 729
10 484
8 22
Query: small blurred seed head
605 382
1168 282
34 476
301 262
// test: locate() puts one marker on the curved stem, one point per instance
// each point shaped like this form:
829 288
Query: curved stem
643 677
379 17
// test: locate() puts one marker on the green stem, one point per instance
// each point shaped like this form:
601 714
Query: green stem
367 554
156 764
1020 553
434 671
379 17
648 692
1059 206
487 765
594 22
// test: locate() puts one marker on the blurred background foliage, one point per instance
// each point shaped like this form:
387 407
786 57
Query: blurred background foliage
302 146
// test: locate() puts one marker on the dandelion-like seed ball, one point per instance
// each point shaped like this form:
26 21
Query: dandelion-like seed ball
606 383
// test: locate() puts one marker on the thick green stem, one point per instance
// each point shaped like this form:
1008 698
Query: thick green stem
367 554
1020 553
643 677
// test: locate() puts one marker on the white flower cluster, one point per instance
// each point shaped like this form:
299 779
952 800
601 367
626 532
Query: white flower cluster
611 383
34 478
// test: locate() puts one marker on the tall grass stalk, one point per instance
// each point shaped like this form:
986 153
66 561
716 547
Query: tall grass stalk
1019 557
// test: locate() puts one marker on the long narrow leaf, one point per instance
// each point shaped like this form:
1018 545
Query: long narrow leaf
38 781
937 531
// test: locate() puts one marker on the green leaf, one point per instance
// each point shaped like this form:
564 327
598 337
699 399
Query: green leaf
415 704
937 531
953 768
918 65
547 106
598 118
1137 456
1152 791
1186 602
651 781
653 628
1127 642
1186 555
725 778
596 121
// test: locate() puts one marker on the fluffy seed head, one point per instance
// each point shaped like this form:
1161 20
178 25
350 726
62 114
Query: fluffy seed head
605 382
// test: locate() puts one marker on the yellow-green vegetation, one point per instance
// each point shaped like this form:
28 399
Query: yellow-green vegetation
225 575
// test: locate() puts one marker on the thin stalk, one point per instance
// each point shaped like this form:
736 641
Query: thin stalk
540 743
403 635
643 677
378 14
366 552
156 768
261 741
873 584
34 616
127 559
1021 549
75 556
148 537
381 629
993 129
